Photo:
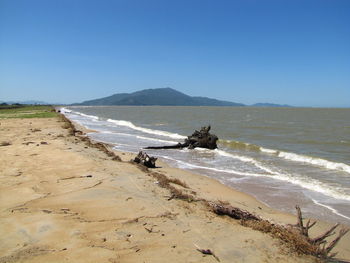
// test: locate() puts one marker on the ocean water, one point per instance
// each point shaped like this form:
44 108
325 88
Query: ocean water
282 156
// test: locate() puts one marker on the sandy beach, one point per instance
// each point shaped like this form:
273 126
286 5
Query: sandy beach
62 200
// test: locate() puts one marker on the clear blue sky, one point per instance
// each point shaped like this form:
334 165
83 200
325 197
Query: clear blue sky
283 51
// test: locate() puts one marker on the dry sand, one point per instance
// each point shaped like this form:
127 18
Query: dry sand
61 201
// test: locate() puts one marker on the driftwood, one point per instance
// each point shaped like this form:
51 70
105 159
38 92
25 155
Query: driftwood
145 159
233 212
296 235
202 138
323 249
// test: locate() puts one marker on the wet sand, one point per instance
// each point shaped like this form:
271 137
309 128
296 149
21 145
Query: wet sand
61 200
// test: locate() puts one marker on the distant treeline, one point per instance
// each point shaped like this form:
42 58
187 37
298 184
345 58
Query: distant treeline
5 105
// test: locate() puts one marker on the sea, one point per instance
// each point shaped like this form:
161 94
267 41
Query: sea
281 156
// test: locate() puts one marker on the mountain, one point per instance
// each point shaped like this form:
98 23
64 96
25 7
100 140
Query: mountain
269 105
159 97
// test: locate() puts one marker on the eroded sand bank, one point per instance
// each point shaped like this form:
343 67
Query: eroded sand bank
62 201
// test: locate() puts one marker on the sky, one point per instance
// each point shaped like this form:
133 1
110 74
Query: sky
293 52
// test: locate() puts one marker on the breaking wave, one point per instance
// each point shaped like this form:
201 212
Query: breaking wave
330 208
240 145
146 130
194 166
64 110
314 161
288 156
302 181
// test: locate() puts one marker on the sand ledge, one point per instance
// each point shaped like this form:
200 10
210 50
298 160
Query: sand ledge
64 200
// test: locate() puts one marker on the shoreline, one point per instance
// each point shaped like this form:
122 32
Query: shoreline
273 179
61 195
219 191
224 192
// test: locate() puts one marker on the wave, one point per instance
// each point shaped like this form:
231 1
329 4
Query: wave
288 156
139 137
86 115
240 145
156 140
266 171
314 161
117 133
266 150
245 159
330 208
302 181
146 130
230 171
65 110
246 146
132 126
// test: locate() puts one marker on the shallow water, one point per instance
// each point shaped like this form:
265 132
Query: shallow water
282 156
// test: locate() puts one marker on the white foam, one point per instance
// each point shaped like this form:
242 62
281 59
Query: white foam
231 171
330 208
299 158
200 149
146 130
117 133
304 182
266 150
86 115
314 185
245 159
156 140
139 137
315 161
238 157
65 110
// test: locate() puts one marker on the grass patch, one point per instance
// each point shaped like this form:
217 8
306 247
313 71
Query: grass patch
34 111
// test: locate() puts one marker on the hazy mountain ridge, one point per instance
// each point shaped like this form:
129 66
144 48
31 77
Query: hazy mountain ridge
265 104
153 97
157 97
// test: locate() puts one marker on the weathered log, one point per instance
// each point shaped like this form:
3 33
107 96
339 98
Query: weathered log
297 235
177 146
145 159
231 211
202 138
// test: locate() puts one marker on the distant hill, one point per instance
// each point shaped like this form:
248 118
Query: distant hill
30 102
159 97
269 105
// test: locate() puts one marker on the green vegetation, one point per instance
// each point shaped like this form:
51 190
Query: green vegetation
26 111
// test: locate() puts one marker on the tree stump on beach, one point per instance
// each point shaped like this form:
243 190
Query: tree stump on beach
202 138
145 159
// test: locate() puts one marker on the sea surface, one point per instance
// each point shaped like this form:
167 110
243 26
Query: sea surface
282 156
